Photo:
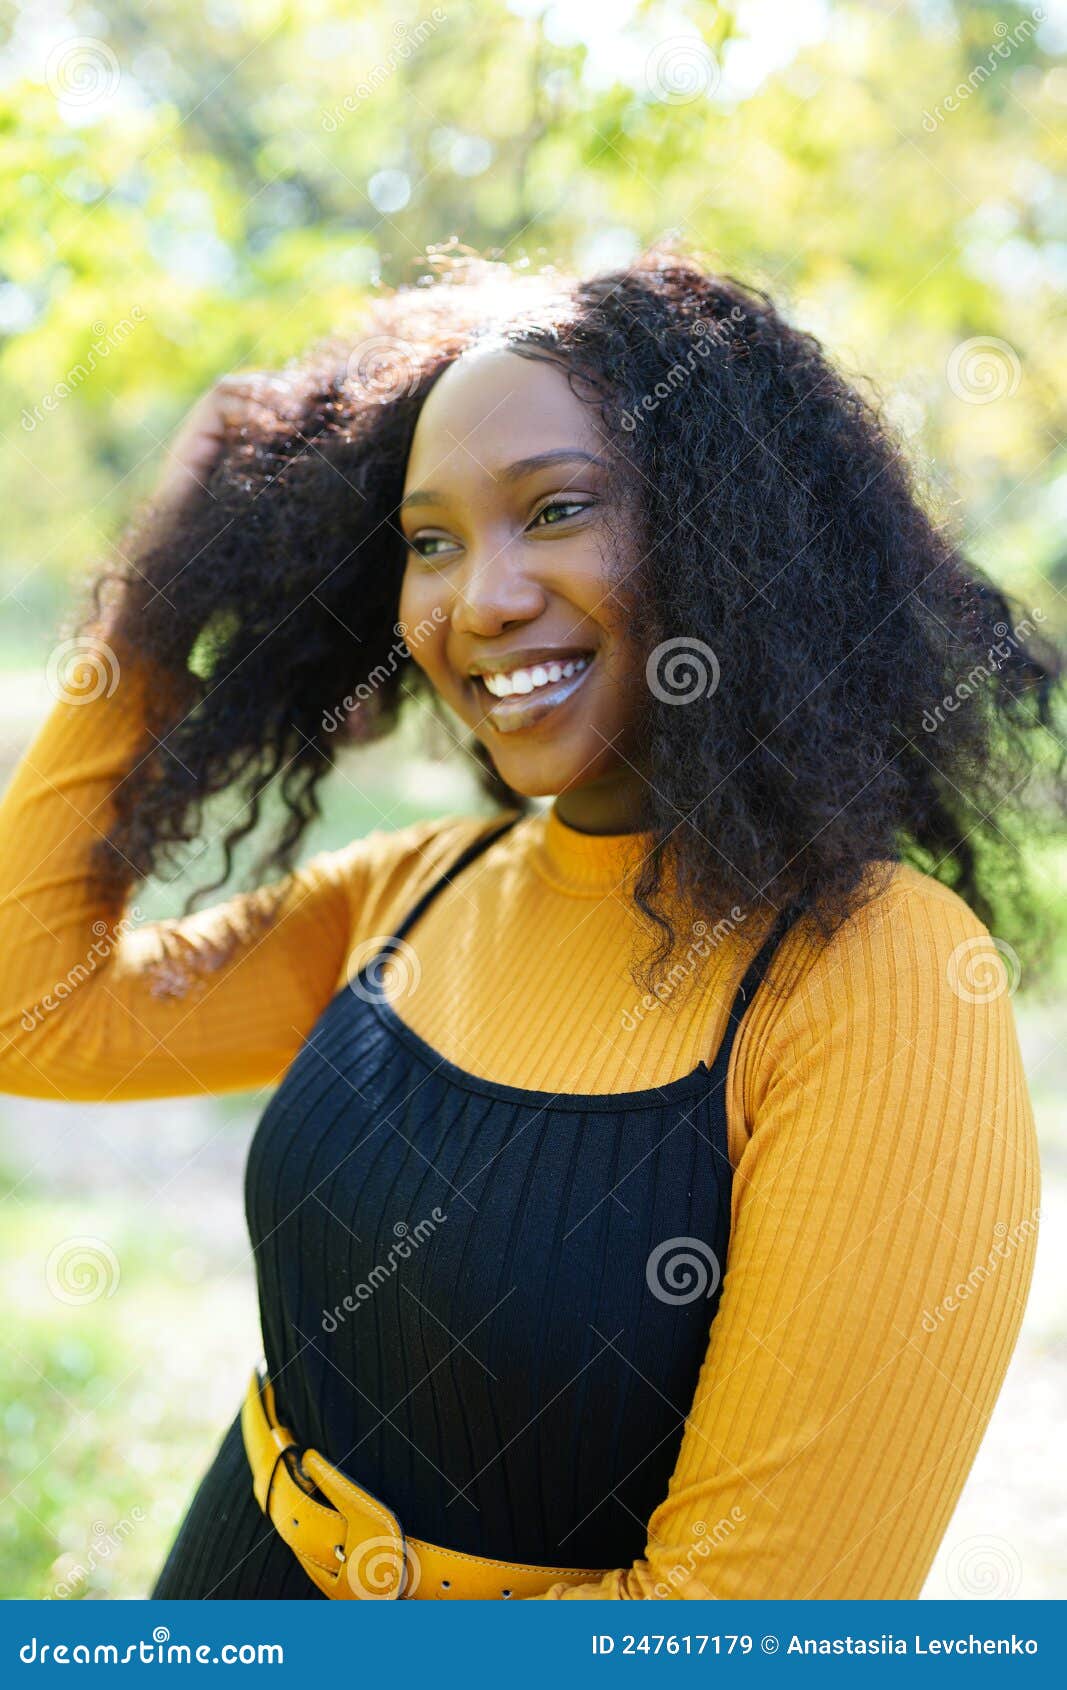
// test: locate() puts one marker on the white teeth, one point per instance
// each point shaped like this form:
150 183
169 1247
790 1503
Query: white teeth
528 680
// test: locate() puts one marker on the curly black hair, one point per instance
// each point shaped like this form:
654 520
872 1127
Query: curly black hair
877 698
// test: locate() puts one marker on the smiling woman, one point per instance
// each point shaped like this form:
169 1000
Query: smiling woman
565 1294
515 540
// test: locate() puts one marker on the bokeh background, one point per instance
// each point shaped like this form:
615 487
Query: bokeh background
193 187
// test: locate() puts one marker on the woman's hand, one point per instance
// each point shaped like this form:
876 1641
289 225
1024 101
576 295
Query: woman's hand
216 419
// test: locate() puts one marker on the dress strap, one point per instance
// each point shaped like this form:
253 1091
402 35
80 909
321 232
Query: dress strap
467 855
755 972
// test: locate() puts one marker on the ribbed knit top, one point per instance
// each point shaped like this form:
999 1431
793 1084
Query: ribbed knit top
880 1136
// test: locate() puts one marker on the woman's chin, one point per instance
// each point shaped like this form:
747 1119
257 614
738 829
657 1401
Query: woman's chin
550 775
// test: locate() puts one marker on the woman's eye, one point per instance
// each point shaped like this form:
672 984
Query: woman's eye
566 506
421 542
558 510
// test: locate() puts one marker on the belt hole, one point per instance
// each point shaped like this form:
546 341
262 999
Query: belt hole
446 1584
505 1593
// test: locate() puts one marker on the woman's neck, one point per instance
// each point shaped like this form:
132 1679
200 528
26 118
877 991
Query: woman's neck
604 806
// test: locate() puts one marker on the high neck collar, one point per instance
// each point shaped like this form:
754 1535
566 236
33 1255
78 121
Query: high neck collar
585 864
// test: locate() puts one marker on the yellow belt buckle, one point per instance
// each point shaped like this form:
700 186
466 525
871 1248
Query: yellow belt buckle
352 1544
375 1563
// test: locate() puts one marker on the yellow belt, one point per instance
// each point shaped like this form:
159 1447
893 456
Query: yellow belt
356 1548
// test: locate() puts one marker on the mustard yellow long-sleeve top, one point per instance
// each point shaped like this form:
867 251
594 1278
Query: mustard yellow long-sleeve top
885 1189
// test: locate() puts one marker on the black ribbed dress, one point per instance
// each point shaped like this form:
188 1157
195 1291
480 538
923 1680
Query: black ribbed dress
530 1279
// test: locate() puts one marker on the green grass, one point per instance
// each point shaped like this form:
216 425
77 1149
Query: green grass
108 1410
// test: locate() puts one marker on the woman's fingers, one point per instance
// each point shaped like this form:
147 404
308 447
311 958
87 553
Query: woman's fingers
218 415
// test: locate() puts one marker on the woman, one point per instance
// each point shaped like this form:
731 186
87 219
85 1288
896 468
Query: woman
587 1268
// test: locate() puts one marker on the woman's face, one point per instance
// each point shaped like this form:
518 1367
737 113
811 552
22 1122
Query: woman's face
510 581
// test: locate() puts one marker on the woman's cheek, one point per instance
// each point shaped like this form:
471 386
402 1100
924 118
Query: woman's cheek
417 609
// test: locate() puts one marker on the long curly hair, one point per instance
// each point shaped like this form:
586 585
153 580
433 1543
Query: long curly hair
833 686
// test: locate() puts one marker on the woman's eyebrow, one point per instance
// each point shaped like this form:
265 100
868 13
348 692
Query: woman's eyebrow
511 472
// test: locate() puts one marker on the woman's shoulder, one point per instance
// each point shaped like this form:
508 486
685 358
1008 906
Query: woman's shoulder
386 870
901 1024
912 965
426 844
907 927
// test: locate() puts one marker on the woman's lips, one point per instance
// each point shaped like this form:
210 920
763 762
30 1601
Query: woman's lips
527 710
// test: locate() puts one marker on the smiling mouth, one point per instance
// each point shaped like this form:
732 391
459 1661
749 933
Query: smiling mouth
528 709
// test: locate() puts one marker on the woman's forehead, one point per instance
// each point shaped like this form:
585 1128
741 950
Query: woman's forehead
491 407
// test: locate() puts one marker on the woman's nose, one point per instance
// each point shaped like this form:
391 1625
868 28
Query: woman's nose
493 592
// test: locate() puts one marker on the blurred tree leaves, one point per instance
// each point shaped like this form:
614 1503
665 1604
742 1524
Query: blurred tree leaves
186 188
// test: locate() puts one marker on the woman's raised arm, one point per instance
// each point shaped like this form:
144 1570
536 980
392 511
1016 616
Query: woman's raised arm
93 1006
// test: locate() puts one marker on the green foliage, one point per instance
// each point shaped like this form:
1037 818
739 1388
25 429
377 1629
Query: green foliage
212 187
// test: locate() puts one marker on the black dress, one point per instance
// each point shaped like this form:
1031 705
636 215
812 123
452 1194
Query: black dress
487 1305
